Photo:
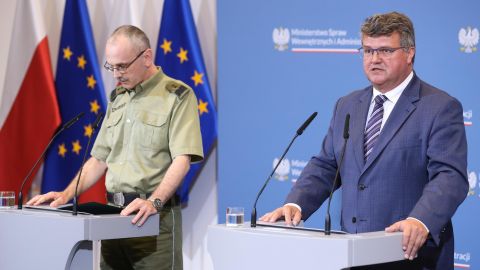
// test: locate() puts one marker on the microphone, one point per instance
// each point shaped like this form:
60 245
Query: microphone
97 121
64 127
346 135
72 121
253 221
307 122
75 196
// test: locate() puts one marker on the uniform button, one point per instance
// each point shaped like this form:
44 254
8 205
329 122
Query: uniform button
354 219
361 186
128 121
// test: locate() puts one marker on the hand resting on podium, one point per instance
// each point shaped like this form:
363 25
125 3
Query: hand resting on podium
291 214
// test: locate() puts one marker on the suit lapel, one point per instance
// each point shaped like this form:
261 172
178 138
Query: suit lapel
359 118
402 110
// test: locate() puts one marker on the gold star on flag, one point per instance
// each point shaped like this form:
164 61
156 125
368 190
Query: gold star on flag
81 62
202 106
94 107
76 147
88 130
91 82
166 46
182 55
67 53
197 78
62 150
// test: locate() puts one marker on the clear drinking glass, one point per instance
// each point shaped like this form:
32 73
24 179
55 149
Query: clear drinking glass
7 199
235 216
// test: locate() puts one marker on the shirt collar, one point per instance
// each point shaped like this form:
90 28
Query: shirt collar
394 94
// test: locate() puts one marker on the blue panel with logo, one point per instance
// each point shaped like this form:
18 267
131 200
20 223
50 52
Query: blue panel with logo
279 61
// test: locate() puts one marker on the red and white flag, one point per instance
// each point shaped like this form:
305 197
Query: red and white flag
29 112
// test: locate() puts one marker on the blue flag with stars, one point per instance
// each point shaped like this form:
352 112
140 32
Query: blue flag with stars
79 88
180 56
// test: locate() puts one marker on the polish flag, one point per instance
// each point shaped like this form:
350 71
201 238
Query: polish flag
29 113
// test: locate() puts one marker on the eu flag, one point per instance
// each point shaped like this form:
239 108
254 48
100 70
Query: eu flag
180 56
79 88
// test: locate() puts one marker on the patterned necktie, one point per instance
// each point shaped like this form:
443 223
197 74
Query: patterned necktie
374 124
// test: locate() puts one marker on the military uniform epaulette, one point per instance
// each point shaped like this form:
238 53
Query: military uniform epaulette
177 88
117 91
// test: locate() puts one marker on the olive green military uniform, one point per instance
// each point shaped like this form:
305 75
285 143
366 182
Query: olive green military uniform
143 131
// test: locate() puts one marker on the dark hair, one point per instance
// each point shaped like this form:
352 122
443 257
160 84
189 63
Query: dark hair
138 38
389 23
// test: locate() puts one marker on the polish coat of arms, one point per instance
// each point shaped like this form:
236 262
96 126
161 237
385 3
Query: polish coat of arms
281 38
468 38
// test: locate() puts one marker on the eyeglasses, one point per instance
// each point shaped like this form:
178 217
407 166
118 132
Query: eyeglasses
122 68
383 52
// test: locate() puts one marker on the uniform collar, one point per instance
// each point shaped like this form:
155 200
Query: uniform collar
152 81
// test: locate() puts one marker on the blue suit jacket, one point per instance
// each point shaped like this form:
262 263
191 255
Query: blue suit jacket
417 167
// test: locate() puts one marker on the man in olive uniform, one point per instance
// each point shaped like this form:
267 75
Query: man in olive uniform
149 137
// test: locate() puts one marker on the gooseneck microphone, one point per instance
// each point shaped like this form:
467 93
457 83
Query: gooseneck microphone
253 221
75 196
66 126
346 135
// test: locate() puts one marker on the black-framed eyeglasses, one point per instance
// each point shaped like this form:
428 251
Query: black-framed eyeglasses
121 67
384 52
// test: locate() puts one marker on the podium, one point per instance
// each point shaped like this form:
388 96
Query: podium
239 248
42 239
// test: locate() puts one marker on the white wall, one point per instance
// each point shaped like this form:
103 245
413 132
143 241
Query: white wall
106 15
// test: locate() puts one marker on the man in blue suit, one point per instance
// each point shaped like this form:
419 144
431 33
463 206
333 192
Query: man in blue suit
404 166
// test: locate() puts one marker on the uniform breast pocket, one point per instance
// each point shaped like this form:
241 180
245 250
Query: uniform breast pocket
113 130
152 131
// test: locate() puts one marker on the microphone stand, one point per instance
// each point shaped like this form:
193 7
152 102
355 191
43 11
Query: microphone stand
75 197
66 126
253 220
346 135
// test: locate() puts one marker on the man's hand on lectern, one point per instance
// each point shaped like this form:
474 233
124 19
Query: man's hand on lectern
56 198
291 213
414 236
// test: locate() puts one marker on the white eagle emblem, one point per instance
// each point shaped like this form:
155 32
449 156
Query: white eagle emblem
468 114
472 182
283 169
281 37
468 38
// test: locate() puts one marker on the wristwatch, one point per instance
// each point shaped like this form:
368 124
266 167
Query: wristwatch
157 203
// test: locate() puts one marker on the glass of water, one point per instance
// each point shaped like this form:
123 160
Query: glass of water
235 216
7 199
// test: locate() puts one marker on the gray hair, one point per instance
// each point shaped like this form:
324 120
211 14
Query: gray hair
137 37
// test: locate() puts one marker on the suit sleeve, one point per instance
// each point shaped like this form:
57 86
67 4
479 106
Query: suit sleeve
446 168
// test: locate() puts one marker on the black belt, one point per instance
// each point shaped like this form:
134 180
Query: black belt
124 199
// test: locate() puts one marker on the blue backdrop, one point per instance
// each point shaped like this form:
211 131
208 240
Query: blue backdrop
280 60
